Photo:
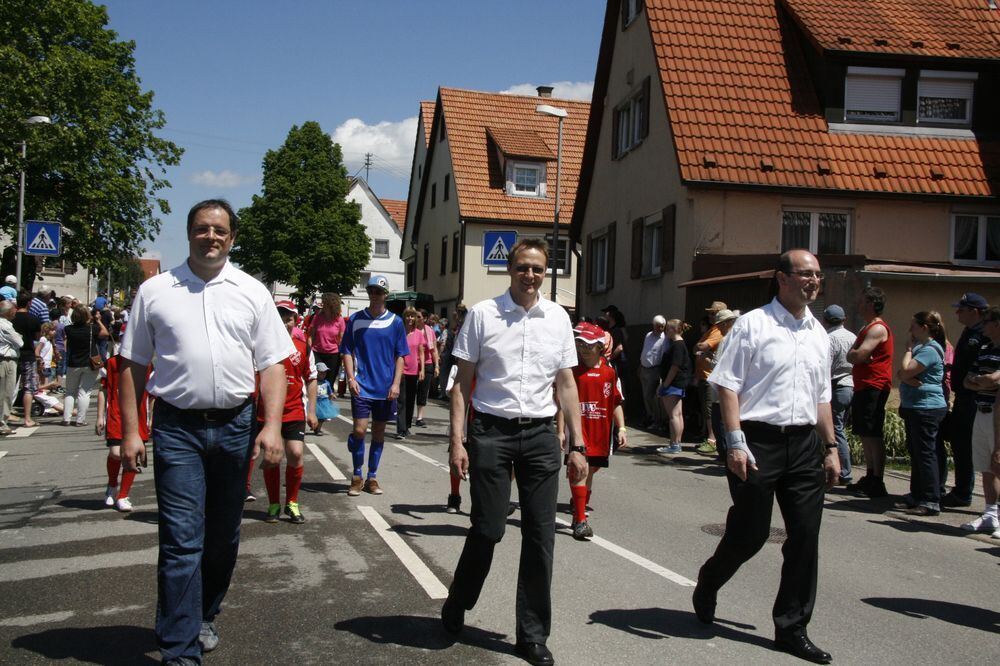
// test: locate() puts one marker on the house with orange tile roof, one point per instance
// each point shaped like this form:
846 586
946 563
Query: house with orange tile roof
490 169
723 133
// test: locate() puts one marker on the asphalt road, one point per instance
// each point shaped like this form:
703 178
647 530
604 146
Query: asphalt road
361 581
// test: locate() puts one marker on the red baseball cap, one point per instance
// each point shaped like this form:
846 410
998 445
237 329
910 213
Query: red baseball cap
286 305
589 333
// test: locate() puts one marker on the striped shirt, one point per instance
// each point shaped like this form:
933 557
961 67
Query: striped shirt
986 363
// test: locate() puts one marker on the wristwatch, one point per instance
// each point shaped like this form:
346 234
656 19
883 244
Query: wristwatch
578 449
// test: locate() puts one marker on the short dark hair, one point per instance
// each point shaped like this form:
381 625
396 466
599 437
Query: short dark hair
23 298
528 244
234 221
991 314
785 262
876 297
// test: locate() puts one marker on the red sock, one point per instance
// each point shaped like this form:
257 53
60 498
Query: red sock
114 466
250 476
272 479
293 481
127 479
579 503
455 481
589 493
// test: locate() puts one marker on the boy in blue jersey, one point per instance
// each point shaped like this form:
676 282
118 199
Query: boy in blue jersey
373 348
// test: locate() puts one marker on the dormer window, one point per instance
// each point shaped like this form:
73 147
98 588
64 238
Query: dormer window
872 94
945 97
526 179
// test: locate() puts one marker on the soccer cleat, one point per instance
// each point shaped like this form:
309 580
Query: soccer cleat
294 514
420 423
673 448
123 504
109 495
707 448
454 503
371 486
273 511
582 530
983 523
357 483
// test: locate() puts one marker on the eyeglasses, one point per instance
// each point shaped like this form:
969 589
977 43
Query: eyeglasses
807 275
524 268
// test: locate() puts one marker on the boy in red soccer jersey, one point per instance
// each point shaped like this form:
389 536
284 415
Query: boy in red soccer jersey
109 425
600 406
300 371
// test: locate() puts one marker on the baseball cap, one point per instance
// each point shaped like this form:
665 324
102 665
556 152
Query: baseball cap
321 367
286 305
380 281
716 306
834 313
723 315
10 279
971 300
589 333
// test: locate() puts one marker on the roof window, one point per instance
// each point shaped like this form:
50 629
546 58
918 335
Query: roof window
872 94
945 97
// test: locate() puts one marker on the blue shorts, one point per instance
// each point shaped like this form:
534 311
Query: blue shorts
664 391
380 411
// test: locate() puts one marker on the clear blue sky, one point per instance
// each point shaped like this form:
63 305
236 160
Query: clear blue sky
233 77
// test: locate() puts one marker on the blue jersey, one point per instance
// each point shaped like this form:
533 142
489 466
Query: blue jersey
375 343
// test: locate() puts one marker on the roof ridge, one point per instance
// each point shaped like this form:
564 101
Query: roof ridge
503 94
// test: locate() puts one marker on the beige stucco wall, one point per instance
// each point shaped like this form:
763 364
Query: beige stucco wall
416 176
441 220
641 183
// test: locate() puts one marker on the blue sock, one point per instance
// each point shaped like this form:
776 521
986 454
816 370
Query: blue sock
374 456
357 449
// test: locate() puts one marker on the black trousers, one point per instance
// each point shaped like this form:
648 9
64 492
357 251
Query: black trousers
495 446
963 414
789 467
407 399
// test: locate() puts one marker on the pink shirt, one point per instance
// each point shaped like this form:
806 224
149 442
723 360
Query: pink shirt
411 364
431 341
327 333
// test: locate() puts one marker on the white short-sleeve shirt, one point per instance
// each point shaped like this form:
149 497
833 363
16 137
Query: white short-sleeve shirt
208 338
517 354
778 365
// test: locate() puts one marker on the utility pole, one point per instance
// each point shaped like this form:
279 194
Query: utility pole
368 165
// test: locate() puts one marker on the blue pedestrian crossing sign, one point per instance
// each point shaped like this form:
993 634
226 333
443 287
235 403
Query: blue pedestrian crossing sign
496 246
42 238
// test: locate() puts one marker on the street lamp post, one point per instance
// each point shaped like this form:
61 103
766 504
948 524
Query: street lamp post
33 120
560 114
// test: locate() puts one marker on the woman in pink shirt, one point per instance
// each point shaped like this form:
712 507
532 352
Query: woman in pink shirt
325 331
413 373
431 365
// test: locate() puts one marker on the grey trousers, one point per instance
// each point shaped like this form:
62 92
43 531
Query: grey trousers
650 379
8 387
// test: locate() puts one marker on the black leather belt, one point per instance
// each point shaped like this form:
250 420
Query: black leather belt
520 420
984 409
10 358
212 415
782 430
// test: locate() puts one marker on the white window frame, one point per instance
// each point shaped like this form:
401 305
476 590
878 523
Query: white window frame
947 83
652 245
599 244
630 123
375 244
632 11
537 167
814 214
980 259
563 241
883 88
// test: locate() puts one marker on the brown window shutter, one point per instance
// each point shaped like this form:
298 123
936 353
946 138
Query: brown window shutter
668 238
636 248
588 253
612 233
645 108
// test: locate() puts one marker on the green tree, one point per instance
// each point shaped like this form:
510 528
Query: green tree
99 167
301 230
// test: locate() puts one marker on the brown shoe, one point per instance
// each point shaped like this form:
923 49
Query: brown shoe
371 486
356 484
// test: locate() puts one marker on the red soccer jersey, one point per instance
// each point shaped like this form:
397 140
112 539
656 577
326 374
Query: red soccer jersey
299 369
600 392
113 415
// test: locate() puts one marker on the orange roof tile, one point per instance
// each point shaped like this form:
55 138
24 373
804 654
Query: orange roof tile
478 182
427 119
938 28
397 211
737 101
520 143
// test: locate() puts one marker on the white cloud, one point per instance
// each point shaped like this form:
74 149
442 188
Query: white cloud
390 143
222 179
581 90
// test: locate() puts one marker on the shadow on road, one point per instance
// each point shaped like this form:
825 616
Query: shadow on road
658 623
417 510
95 645
431 530
425 633
86 504
964 616
325 487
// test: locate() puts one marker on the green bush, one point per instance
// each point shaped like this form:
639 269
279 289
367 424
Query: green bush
894 436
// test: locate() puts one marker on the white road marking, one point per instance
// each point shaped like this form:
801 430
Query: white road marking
32 620
2 454
421 456
410 560
327 464
22 432
345 419
637 559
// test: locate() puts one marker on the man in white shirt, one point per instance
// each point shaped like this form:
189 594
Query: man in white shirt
10 351
653 347
515 347
209 326
773 380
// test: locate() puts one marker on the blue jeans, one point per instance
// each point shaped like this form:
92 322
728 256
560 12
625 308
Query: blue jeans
839 405
201 471
921 439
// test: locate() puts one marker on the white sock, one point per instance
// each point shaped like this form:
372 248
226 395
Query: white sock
991 511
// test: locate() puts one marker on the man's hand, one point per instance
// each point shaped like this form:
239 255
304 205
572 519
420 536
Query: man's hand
831 467
458 460
133 453
269 444
99 426
353 387
736 461
312 421
576 468
393 392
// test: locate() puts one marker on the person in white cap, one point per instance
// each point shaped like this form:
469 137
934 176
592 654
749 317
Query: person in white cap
9 290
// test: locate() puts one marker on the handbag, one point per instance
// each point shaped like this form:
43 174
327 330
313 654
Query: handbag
96 362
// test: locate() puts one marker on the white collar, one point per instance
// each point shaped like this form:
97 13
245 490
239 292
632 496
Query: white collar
183 274
507 304
786 318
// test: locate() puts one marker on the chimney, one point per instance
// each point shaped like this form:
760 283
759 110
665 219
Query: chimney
544 91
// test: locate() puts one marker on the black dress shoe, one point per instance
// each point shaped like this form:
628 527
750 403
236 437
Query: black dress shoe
799 645
949 500
452 616
535 653
704 604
